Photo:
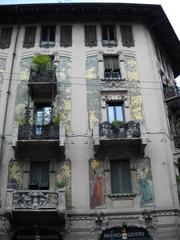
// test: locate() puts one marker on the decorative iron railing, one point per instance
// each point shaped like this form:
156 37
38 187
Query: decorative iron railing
171 91
129 129
28 132
43 75
35 199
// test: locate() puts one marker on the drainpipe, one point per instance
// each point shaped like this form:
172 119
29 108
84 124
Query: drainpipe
8 95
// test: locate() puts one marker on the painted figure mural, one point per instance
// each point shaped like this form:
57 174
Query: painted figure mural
15 174
96 183
144 175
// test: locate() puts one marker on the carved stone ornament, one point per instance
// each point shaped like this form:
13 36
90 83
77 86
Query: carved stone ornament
35 200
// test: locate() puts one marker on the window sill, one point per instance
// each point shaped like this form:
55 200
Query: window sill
113 79
123 196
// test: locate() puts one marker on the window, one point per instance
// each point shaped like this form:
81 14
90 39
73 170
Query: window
115 111
108 35
29 37
127 36
66 36
39 175
48 36
42 117
90 36
111 67
5 37
120 176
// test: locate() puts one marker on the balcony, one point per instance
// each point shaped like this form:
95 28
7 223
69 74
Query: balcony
40 206
127 134
172 96
42 83
32 140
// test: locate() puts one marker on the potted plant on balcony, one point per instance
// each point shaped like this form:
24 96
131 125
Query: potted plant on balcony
41 62
119 128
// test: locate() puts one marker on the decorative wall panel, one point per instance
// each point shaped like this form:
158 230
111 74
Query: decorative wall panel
64 80
134 88
63 179
2 71
96 174
15 175
144 175
93 89
21 95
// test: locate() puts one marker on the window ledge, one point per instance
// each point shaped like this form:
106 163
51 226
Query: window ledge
113 79
123 196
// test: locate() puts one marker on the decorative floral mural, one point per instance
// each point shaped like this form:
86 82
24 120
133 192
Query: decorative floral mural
144 175
134 88
93 89
64 81
2 71
96 175
63 179
15 174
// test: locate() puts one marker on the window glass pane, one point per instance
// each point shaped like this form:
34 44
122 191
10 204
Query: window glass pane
39 175
5 37
111 116
111 33
104 33
44 34
120 176
90 36
29 38
119 113
115 111
51 33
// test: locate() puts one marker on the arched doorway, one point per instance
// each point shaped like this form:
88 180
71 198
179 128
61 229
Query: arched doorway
125 233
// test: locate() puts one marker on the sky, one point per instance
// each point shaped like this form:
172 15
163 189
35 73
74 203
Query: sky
171 8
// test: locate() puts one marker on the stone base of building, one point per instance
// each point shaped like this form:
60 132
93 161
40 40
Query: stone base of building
99 225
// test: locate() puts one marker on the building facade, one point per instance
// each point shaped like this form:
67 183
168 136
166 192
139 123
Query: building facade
90 141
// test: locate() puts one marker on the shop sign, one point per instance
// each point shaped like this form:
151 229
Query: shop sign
125 233
37 235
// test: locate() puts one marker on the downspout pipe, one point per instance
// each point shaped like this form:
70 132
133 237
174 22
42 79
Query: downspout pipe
8 94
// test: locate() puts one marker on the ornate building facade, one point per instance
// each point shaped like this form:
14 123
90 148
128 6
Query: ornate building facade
90 135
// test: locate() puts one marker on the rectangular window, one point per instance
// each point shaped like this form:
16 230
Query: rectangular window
29 37
48 36
66 36
115 111
90 36
109 35
42 117
39 175
127 36
5 37
111 67
120 176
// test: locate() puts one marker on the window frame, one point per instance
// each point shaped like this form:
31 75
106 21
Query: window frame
114 73
48 43
115 104
26 43
89 42
127 35
38 186
122 175
67 43
4 45
108 42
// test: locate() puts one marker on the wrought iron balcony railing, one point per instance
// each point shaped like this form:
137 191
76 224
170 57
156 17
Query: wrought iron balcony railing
30 132
35 200
43 75
171 91
125 130
130 129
